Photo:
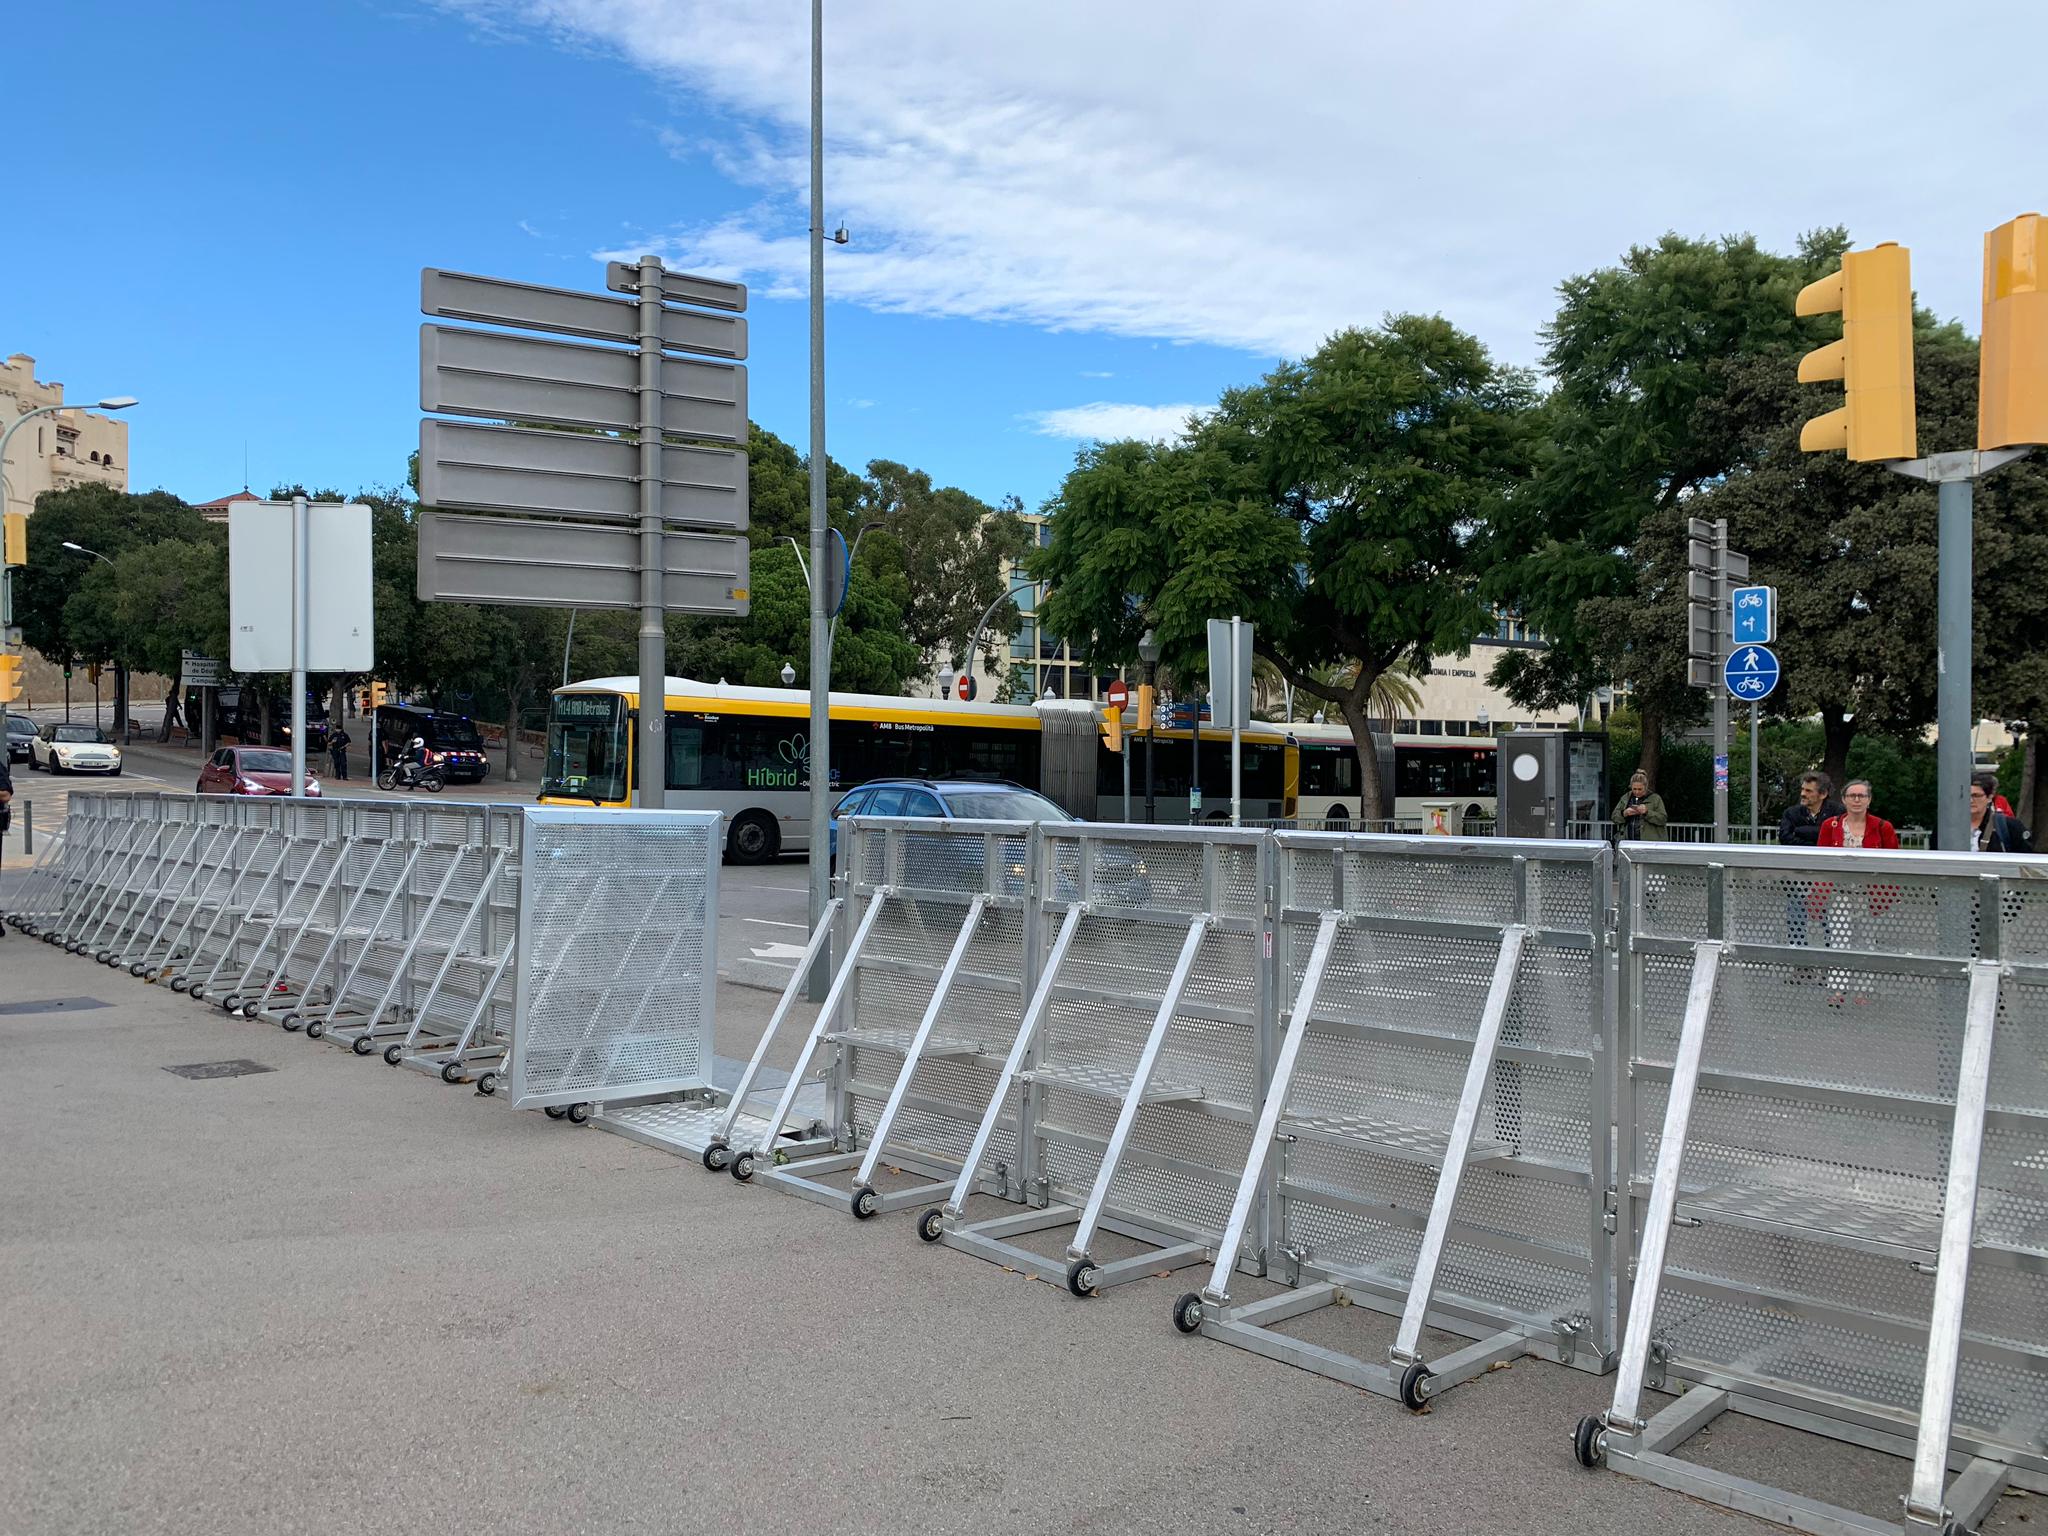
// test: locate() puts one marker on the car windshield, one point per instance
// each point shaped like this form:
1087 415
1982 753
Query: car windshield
265 762
1003 805
458 734
20 725
78 733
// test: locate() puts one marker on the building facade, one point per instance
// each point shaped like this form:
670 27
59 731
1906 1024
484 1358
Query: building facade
55 452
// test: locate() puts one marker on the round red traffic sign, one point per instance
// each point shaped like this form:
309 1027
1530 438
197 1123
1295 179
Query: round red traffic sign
1118 695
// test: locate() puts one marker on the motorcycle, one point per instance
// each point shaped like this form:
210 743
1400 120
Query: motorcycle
426 776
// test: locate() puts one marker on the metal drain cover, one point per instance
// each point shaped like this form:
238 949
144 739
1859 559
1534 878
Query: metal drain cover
52 1005
239 1068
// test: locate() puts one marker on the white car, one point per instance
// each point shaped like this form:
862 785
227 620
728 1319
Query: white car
74 749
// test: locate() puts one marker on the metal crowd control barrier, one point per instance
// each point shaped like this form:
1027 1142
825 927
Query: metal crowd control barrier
1139 1063
36 894
922 1015
1434 1142
1834 1134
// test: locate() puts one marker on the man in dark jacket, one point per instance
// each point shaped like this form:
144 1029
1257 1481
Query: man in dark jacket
1990 830
1799 827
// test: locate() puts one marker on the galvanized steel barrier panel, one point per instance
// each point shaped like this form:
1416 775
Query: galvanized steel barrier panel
1140 1062
928 1012
617 972
1834 1136
1435 1139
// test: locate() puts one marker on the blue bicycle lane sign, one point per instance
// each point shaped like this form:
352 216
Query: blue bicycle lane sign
1750 672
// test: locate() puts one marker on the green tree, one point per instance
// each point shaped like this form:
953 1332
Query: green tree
1346 505
99 518
952 548
1640 352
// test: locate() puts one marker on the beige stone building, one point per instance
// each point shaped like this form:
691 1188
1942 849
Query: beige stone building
55 452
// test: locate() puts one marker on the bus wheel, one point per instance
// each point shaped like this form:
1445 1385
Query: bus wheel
755 839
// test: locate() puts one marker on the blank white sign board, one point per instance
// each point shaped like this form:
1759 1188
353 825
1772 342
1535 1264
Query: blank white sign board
340 637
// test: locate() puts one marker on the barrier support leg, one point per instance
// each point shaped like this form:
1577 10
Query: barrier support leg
1925 1506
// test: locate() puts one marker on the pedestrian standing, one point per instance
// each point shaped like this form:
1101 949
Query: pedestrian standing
338 739
1856 827
1800 826
1991 830
1639 814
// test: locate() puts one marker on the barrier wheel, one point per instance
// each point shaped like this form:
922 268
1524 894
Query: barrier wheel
716 1155
1586 1446
315 1028
1081 1278
452 1072
1187 1312
931 1224
178 983
394 1054
487 1084
865 1202
251 1008
579 1114
362 1045
743 1166
554 1111
232 1003
136 968
291 1021
1413 1395
197 994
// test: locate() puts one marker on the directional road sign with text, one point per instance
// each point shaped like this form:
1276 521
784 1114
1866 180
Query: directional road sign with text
1755 615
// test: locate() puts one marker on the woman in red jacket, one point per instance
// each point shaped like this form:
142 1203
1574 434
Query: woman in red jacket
1856 827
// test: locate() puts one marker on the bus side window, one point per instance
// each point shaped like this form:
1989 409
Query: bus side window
685 753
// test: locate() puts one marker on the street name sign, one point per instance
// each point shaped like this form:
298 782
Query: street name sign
493 301
467 465
679 287
528 563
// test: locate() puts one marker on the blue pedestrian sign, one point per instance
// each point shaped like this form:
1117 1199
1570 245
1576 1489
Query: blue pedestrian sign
1751 672
1755 616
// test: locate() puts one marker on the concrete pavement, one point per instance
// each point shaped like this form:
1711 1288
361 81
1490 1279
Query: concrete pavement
333 1297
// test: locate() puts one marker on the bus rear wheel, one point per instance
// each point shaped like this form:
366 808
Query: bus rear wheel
755 839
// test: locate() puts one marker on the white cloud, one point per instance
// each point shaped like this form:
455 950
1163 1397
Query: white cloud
1107 421
1169 170
1096 373
528 228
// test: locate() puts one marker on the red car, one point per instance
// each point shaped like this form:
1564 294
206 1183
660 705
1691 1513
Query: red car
251 771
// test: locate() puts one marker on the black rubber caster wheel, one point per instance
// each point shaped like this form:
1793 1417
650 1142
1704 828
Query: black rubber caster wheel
136 968
1187 1312
393 1054
716 1156
1586 1446
865 1202
1413 1394
1081 1278
452 1072
178 983
291 1022
554 1111
362 1045
315 1028
487 1084
579 1114
197 994
232 1003
742 1166
251 1008
931 1224
72 946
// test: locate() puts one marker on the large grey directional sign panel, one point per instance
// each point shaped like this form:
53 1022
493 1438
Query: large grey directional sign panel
493 301
486 373
465 465
525 562
679 287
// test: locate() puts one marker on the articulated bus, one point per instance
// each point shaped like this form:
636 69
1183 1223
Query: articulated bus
745 753
1416 771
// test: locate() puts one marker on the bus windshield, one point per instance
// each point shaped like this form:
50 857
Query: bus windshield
586 748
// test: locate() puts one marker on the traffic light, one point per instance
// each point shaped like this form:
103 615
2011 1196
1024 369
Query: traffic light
1874 358
92 674
377 695
10 678
14 539
1146 705
2012 377
1113 728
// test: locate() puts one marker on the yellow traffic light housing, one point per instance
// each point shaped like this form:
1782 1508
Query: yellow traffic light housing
14 539
1874 359
1113 728
10 678
2012 360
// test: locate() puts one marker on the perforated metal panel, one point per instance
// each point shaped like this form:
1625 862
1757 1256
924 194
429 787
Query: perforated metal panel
1812 1187
617 954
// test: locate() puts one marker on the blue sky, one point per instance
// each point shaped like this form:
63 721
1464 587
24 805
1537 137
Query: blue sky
1066 217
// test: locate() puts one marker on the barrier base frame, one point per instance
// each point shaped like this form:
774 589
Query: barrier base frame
989 1240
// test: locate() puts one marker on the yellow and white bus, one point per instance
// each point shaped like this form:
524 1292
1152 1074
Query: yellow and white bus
1416 772
745 753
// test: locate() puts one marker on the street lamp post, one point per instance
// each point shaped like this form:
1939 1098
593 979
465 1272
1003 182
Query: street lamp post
120 667
110 403
1148 653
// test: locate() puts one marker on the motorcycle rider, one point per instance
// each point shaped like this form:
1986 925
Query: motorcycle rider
410 762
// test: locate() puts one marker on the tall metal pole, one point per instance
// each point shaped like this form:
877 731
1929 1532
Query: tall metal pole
1151 733
1723 640
1753 790
821 634
301 590
1238 692
568 641
651 756
1953 645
